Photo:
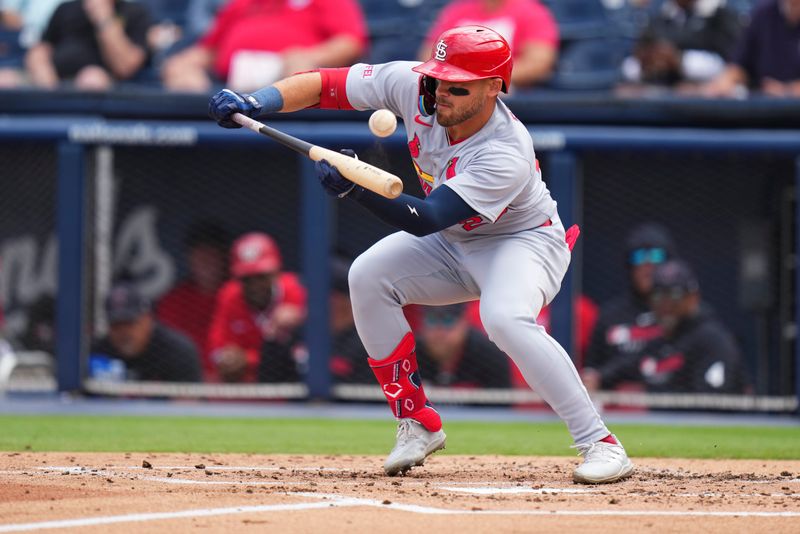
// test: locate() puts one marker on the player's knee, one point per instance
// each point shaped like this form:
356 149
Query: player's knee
496 322
503 318
362 277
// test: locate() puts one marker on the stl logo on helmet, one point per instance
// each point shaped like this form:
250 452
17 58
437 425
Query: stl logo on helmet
441 50
250 252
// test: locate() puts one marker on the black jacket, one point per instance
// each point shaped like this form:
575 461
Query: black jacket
700 357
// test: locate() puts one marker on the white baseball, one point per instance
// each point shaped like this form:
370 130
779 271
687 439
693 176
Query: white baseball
382 123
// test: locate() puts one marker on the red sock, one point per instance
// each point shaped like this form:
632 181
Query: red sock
399 378
610 439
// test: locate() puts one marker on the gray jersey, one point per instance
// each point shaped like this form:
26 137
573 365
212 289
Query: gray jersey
495 171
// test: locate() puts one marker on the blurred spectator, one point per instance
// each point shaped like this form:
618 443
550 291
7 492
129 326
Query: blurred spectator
585 313
189 306
200 15
259 305
527 25
40 332
767 57
687 41
92 44
255 42
696 354
452 353
348 356
28 18
138 347
625 323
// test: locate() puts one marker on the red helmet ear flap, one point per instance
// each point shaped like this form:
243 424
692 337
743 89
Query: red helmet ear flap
427 95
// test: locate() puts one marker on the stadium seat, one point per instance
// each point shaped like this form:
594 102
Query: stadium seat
591 64
581 19
390 17
11 53
173 11
394 47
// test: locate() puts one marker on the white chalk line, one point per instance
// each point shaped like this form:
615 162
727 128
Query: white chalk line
334 500
449 511
133 518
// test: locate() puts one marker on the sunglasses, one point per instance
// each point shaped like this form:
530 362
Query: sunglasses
648 255
673 294
445 320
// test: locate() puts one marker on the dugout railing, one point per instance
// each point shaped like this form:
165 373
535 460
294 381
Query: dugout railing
691 177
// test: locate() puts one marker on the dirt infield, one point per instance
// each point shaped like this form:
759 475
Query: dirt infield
252 493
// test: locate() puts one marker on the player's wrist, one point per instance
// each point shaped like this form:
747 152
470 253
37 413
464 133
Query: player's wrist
105 24
268 100
347 191
356 192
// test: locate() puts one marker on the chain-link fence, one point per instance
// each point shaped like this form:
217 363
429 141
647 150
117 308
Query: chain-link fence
197 275
28 265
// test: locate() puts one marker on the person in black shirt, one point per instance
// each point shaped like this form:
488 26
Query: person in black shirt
767 57
451 353
92 43
626 323
696 354
685 41
138 347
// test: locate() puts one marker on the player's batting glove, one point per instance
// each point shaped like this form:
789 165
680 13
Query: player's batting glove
225 103
331 179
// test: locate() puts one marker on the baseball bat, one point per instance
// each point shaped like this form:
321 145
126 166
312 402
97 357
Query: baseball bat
368 176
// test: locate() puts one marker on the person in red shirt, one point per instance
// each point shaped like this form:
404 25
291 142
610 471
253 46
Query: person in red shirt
527 25
259 305
255 42
189 305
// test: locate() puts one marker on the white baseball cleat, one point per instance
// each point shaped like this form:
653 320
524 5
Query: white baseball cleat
414 444
602 462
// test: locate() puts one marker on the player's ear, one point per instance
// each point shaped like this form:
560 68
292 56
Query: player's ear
495 86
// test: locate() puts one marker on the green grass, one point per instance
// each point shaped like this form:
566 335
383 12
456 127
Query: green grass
326 436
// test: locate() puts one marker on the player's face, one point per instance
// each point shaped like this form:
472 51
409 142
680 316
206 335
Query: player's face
257 289
457 102
131 338
672 305
791 10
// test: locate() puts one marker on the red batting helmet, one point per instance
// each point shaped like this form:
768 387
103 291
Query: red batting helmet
255 253
469 53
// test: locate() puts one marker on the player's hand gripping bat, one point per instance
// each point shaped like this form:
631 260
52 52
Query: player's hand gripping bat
368 176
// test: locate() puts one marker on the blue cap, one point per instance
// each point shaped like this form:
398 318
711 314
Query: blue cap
124 303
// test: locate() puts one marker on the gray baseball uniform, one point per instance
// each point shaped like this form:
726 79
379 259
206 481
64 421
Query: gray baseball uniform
512 255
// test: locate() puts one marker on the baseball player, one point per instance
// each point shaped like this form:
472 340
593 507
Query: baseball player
487 229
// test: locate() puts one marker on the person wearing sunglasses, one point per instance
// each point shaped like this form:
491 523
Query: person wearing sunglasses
625 323
487 229
697 353
453 354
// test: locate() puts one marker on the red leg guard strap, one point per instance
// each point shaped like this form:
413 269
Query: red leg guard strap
399 378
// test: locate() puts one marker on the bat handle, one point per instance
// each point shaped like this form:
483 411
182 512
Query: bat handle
247 122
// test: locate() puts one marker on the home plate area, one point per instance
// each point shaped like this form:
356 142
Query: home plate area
141 492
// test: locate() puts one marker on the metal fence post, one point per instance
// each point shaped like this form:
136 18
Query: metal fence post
315 232
797 282
563 181
70 202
